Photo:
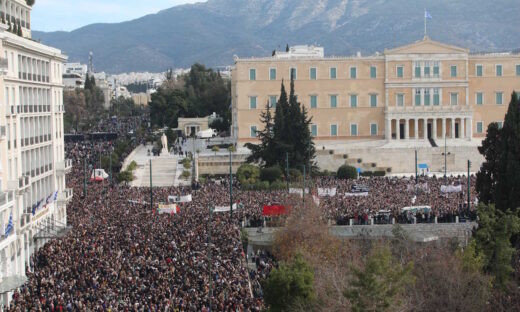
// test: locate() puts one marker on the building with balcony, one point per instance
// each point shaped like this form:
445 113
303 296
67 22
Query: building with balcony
33 195
425 91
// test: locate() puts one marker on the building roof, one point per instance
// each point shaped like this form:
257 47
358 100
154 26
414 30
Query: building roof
427 46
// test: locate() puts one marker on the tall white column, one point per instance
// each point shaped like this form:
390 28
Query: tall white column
462 130
416 128
388 130
434 134
407 129
470 129
453 128
425 126
443 128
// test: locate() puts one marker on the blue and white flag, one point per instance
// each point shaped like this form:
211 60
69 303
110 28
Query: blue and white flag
10 225
427 15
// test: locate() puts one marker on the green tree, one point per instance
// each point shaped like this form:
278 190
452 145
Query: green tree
122 107
486 177
30 2
347 172
271 174
215 149
378 286
75 108
167 106
507 195
265 151
493 241
290 284
248 174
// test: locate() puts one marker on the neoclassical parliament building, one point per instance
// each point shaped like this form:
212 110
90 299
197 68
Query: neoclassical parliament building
426 90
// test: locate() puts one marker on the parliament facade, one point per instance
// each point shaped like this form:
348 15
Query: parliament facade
423 91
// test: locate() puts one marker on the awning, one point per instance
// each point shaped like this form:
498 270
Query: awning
11 283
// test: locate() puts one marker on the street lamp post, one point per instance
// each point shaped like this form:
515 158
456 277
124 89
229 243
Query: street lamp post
209 257
445 154
469 182
151 187
230 188
416 177
287 169
85 178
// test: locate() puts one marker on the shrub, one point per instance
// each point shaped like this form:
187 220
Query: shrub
331 152
271 174
248 174
347 172
185 174
345 156
132 166
125 176
278 185
295 175
215 149
374 165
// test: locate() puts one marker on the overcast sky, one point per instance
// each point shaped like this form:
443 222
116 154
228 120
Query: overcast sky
51 15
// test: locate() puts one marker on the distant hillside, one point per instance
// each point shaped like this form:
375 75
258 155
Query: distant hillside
212 32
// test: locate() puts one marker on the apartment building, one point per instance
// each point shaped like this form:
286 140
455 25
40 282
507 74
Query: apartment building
33 193
426 90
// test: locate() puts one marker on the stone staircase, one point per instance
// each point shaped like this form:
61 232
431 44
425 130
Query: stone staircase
163 172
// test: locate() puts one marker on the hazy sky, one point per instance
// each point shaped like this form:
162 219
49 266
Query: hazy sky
50 15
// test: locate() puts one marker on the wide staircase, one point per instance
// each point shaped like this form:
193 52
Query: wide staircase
163 172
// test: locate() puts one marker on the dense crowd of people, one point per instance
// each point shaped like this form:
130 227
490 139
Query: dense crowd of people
122 255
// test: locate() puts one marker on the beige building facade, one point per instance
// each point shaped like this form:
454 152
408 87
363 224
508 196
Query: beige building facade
423 91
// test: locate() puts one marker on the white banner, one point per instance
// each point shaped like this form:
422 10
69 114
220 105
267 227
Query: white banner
327 192
181 199
356 194
298 191
225 208
170 209
451 188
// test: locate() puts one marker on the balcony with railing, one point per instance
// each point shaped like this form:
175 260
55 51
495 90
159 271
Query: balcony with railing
6 200
65 196
20 185
64 167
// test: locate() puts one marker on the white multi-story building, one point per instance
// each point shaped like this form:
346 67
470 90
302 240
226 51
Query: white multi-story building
33 195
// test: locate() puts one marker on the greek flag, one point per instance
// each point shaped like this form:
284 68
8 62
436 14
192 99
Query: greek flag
427 15
10 226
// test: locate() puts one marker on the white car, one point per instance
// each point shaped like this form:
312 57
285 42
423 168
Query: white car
206 134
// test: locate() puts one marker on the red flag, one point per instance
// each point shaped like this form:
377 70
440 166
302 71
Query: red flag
275 210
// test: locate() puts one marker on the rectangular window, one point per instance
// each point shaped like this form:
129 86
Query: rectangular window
272 101
499 70
417 69
353 73
400 99
253 132
400 71
373 129
454 98
478 71
252 74
453 71
500 124
333 73
353 100
417 97
353 130
499 96
314 101
272 74
480 127
252 102
293 73
373 100
427 70
314 130
333 101
373 72
312 73
436 69
436 97
518 70
427 97
333 130
480 98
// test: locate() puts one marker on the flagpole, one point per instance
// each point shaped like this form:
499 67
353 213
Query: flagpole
425 23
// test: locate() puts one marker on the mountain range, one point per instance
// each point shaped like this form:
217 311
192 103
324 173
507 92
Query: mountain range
212 32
